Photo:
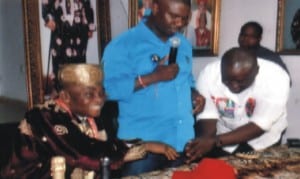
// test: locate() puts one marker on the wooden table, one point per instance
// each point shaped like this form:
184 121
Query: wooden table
278 162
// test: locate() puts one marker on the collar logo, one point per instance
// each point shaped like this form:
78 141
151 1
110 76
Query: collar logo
60 130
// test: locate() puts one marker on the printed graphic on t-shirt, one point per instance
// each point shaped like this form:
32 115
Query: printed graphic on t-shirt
225 107
250 106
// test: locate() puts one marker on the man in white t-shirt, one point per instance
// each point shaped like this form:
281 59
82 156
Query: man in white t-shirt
245 108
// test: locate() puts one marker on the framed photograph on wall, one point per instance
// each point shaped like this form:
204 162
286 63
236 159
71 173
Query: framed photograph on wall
43 42
202 30
288 27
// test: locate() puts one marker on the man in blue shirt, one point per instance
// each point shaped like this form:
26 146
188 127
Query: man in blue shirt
156 101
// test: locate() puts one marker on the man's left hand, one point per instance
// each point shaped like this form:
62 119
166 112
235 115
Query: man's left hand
198 102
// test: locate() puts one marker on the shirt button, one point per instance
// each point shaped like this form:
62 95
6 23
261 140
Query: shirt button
39 165
44 139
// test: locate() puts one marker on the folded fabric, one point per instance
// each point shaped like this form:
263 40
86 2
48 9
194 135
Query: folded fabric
208 168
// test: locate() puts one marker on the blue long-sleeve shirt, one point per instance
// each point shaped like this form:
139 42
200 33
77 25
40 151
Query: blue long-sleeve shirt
161 111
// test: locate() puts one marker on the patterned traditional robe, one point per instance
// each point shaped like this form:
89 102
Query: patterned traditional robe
50 130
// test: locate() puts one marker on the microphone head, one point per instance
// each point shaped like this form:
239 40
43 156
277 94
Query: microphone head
175 42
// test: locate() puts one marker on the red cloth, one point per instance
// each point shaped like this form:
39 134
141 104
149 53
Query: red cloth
208 169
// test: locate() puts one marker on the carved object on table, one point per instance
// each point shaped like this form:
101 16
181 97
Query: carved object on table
274 163
267 163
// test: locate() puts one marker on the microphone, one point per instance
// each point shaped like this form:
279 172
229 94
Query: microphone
175 42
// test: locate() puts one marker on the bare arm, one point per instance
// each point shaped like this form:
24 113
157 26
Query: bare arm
241 134
206 127
161 148
208 139
139 151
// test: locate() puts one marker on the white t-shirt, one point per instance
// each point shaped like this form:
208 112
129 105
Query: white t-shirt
263 103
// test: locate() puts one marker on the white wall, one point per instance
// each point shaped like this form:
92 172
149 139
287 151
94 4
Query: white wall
12 60
119 16
234 13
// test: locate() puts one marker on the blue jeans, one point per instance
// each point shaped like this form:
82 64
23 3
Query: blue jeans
151 162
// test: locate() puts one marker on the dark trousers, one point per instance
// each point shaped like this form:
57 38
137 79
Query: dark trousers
150 163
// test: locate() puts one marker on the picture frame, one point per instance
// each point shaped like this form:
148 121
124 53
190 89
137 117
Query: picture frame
33 39
285 39
213 9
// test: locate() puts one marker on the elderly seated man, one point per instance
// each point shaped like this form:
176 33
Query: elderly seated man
66 127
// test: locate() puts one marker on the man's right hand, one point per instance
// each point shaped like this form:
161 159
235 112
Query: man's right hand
165 72
161 148
161 72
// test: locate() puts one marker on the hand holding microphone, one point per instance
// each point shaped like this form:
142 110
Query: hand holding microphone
166 72
175 42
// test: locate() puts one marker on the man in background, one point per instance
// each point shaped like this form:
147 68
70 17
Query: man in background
250 37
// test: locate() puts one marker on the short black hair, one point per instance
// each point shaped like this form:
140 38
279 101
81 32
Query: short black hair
243 56
255 25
